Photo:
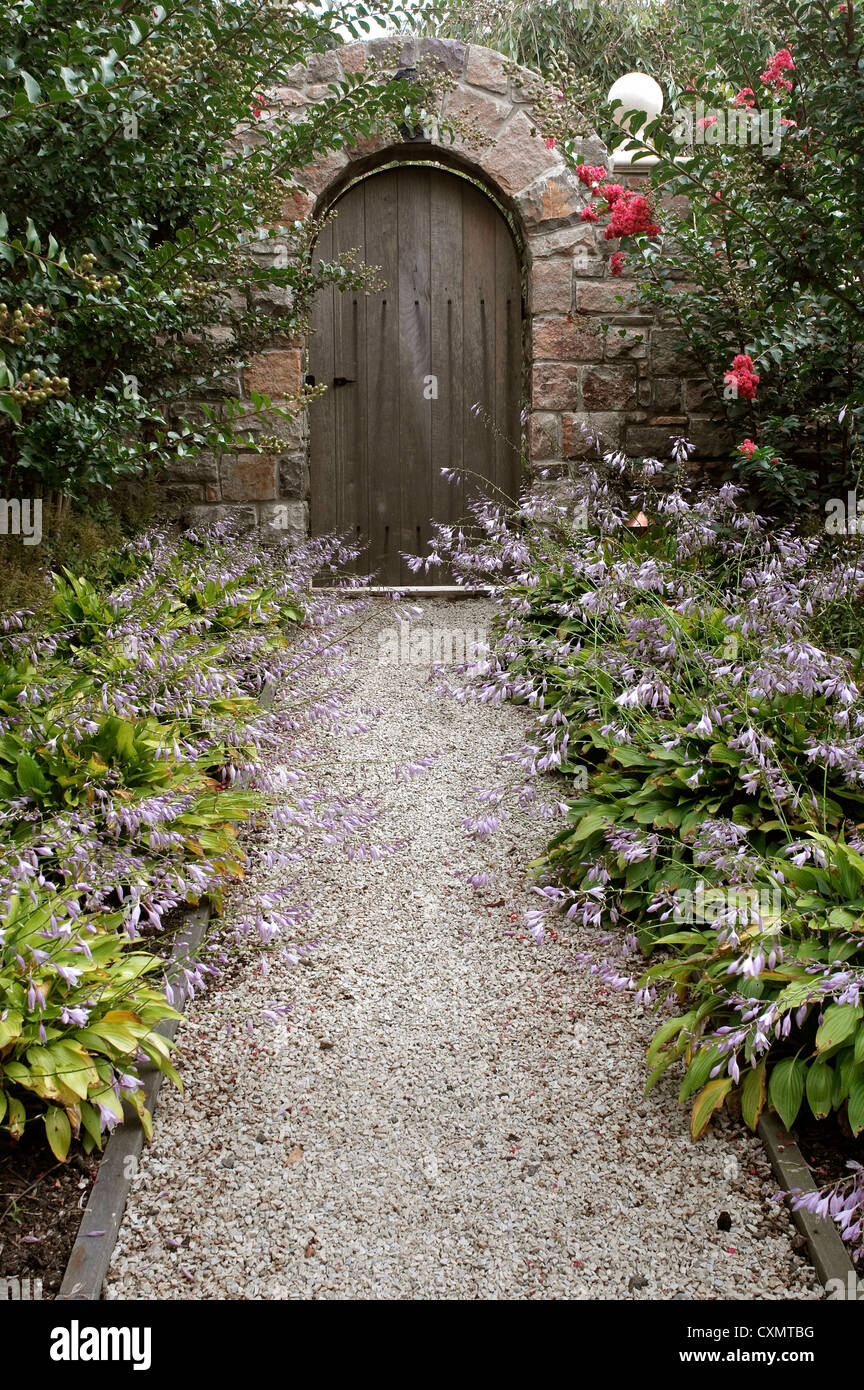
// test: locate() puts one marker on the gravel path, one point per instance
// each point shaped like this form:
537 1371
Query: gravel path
450 1110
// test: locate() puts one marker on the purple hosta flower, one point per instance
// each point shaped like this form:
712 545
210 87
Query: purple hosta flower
650 693
69 973
107 1118
80 1017
802 852
127 1082
631 846
535 920
480 880
35 996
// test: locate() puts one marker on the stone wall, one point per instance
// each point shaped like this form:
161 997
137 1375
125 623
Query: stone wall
590 356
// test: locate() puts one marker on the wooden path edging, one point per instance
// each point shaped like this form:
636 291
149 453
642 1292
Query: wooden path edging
100 1224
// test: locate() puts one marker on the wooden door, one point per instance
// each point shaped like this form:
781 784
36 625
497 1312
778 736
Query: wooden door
423 374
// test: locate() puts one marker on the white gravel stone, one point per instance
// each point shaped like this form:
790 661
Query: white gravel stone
449 1110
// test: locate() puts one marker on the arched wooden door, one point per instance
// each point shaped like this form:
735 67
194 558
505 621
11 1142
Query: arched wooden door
423 374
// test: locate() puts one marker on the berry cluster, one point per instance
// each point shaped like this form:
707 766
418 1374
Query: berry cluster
84 271
35 387
14 326
157 70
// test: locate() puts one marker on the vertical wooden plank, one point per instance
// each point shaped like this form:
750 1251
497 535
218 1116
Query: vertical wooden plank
446 349
478 327
508 319
414 252
349 402
322 425
382 376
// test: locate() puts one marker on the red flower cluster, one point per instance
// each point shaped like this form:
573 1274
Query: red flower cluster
773 74
630 212
742 376
746 97
748 448
590 174
631 216
616 262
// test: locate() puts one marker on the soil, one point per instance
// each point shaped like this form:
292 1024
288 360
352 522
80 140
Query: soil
41 1203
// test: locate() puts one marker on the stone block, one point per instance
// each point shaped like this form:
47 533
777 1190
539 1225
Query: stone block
518 157
485 68
293 475
352 57
446 54
609 388
482 115
609 297
244 518
554 386
248 477
606 426
566 340
202 470
623 341
544 435
276 373
288 519
324 67
550 199
551 284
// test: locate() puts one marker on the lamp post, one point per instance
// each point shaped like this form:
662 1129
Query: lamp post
637 92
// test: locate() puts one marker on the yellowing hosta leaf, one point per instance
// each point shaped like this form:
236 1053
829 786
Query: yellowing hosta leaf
709 1099
10 1028
753 1089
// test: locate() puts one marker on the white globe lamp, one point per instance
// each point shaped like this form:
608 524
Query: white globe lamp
636 91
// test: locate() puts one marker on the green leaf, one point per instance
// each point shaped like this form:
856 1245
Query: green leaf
838 1023
820 1088
786 1088
30 778
31 87
59 1131
856 1106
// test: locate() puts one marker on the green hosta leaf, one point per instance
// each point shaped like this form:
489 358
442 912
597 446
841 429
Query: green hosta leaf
820 1088
753 1089
838 1023
856 1106
30 778
705 1060
709 1099
786 1088
59 1131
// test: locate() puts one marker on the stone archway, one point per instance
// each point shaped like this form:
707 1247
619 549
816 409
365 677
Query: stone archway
575 373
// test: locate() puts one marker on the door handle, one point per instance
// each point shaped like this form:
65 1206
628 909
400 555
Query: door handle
343 381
